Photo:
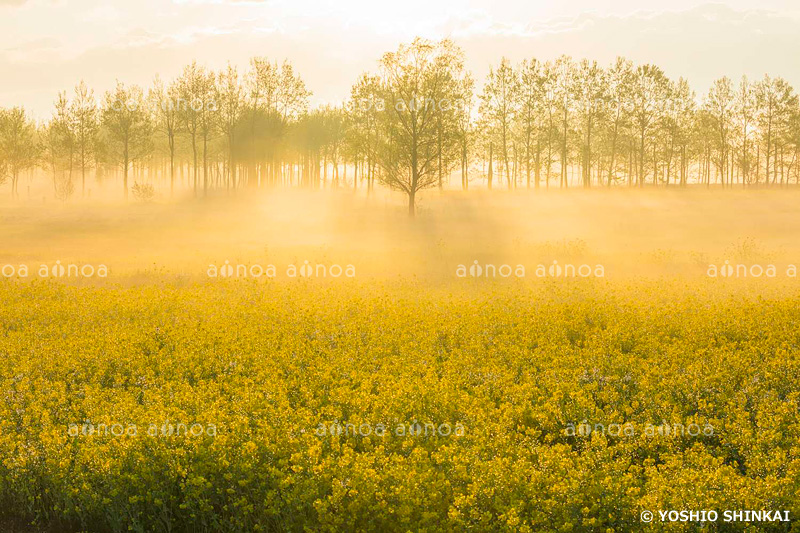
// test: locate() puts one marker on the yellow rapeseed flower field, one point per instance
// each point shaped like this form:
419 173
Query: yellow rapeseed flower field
395 405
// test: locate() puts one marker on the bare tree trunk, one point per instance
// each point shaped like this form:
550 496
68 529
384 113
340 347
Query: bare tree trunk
490 166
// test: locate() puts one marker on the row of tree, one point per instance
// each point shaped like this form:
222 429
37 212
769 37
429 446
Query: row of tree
414 124
632 124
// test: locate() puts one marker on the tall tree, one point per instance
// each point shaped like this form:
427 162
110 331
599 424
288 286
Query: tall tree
678 123
774 98
564 70
498 108
57 144
207 117
18 144
620 86
745 118
464 121
530 115
720 107
66 126
164 103
230 100
363 109
84 118
127 127
414 80
192 100
591 96
650 90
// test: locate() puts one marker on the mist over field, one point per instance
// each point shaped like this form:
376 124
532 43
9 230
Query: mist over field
630 233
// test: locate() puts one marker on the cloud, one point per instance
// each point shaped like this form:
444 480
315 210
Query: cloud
700 44
45 43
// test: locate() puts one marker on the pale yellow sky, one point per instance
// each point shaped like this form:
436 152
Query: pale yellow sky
49 45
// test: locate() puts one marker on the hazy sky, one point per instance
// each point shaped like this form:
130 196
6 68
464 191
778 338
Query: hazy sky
49 45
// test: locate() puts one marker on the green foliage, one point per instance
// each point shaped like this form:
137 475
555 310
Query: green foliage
266 364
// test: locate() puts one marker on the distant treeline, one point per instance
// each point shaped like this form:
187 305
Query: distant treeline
417 122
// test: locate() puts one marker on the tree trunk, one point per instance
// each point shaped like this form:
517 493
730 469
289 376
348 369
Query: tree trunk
205 166
490 166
